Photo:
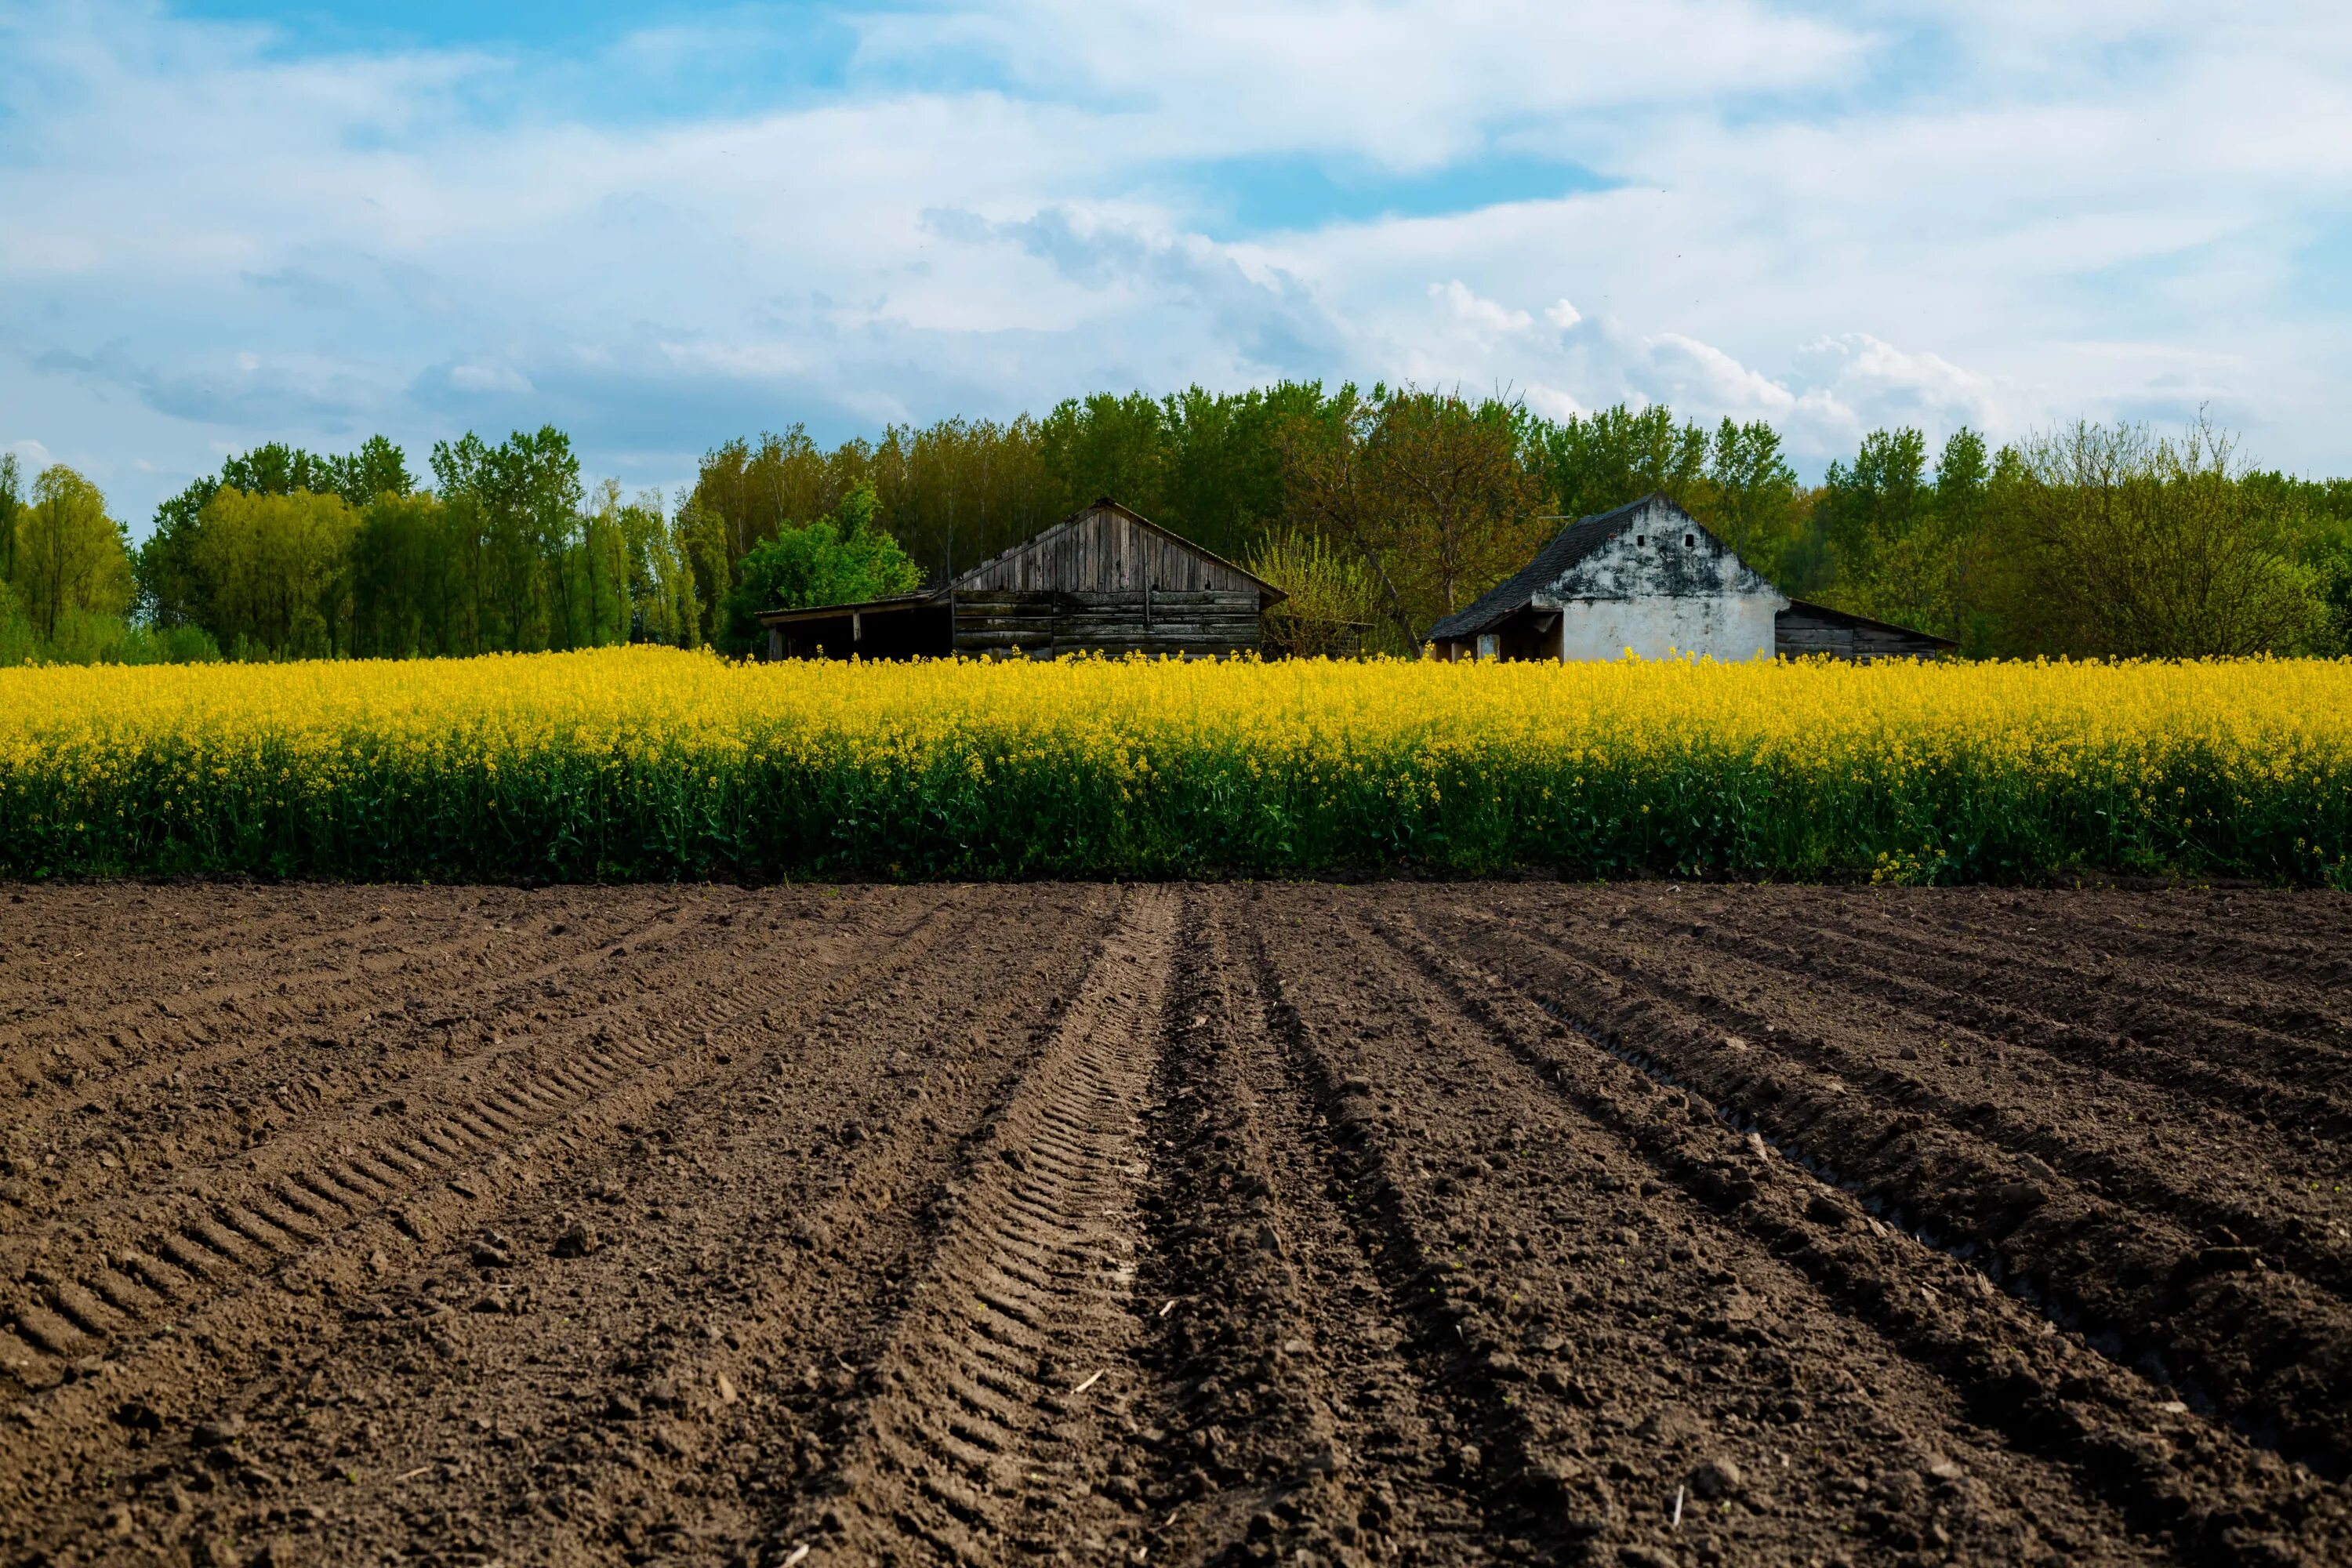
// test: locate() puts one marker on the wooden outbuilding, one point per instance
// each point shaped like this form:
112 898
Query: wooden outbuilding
1104 579
1650 579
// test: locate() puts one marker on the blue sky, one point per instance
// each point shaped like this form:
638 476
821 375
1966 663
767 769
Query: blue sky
662 225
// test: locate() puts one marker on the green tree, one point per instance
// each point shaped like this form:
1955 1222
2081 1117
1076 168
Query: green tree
12 504
2125 543
278 567
843 557
1437 496
378 469
1108 446
663 606
1875 501
515 512
69 557
1750 496
1596 461
172 587
1460 503
1332 485
1330 599
1901 547
408 598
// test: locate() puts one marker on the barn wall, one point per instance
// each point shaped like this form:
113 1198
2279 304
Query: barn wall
1103 552
1172 622
1800 634
1649 591
1728 626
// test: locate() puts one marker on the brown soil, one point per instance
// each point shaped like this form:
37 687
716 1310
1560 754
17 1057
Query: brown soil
1460 1224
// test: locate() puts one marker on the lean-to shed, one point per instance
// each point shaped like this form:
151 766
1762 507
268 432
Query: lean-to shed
1649 578
1104 579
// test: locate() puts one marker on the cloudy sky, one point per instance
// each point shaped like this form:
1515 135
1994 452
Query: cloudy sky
657 227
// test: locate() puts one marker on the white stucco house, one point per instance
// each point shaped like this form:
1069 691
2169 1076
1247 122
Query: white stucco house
1647 576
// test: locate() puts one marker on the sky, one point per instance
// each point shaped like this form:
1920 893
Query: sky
659 227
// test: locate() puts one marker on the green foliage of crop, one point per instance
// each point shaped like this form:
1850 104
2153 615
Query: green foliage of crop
655 764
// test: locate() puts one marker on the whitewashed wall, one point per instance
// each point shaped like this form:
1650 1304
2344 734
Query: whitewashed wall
1729 627
1648 591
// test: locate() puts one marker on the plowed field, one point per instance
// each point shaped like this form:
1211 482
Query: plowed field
1411 1224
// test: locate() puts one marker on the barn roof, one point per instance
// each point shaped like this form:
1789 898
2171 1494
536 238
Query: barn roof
1848 618
830 612
1569 546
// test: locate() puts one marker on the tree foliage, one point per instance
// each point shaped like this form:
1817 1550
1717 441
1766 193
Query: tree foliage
1328 601
68 557
842 558
2123 542
1400 503
278 570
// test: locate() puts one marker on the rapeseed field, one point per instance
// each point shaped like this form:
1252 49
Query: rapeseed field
651 763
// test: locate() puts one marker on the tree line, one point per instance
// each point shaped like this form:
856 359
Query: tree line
1378 509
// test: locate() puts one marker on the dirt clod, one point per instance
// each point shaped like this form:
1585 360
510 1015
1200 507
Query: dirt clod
577 1239
1718 1478
217 1433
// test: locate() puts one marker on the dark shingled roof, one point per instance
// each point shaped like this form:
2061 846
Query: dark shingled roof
1570 545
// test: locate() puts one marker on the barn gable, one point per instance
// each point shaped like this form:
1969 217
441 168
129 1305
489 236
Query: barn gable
1656 550
1106 548
1649 578
1646 576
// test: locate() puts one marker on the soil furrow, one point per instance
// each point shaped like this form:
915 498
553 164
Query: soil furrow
2267 1350
207 1272
2213 962
411 1131
1291 1416
663 1324
2279 1196
2119 1026
2188 1486
334 993
231 1085
1651 1382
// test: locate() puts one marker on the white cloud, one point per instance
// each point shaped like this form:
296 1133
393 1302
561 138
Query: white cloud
31 454
1562 314
1483 316
1409 83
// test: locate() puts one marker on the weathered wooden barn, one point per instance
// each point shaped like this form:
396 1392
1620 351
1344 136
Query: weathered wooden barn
1647 576
1104 579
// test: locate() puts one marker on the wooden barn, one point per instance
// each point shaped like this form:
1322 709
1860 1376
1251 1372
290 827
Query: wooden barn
1104 579
1648 577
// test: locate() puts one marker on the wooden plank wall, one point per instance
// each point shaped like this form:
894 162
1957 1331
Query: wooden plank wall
1101 552
1038 622
1797 636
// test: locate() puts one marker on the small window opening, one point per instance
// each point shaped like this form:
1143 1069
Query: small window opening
1690 541
1641 539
